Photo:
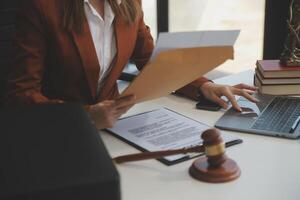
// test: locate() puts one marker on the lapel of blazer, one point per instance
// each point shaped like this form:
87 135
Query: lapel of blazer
123 33
87 51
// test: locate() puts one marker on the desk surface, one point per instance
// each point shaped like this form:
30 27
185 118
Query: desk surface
270 166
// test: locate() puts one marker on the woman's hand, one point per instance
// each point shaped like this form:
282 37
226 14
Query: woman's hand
214 92
106 113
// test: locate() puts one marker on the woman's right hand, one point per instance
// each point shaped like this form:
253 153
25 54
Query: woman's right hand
106 113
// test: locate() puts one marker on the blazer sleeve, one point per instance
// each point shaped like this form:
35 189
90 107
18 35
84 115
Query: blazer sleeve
24 84
192 90
144 44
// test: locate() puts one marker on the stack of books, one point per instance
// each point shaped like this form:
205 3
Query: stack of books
271 77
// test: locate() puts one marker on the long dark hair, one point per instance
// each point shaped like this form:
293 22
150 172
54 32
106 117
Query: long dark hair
73 12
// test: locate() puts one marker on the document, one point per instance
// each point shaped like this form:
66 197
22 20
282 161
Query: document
194 39
180 58
163 129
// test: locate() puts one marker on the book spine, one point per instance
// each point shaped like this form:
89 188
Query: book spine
276 89
273 69
275 81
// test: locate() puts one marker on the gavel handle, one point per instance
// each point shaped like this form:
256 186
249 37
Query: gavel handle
158 154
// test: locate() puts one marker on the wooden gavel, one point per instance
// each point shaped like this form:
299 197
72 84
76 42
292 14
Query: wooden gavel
214 167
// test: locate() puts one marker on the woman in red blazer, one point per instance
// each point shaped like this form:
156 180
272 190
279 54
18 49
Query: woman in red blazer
75 50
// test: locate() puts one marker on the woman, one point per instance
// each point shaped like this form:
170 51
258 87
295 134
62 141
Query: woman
75 50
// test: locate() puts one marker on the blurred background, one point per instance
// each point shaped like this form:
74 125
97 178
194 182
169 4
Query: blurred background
191 15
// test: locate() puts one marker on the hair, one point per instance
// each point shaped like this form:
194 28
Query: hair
74 15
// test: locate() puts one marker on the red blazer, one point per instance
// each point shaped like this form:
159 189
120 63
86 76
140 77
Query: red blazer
54 63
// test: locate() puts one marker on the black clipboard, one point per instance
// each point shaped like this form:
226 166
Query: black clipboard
163 160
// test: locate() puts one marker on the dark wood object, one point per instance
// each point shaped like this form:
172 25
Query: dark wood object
216 167
157 154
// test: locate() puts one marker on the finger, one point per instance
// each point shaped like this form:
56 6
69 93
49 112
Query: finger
55 101
250 98
125 101
119 114
219 101
232 100
122 110
105 105
107 102
249 91
245 94
245 86
125 107
110 122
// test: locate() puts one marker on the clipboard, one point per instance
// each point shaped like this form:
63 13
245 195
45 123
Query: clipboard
140 121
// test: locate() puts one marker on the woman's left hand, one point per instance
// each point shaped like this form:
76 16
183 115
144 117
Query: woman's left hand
214 92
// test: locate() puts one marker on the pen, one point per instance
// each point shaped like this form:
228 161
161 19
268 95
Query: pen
294 126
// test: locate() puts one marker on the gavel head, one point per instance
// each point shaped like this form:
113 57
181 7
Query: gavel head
214 147
216 167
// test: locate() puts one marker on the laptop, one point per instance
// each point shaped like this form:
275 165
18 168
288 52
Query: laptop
277 116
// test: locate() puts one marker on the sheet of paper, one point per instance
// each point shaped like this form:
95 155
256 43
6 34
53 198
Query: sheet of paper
176 40
162 129
180 58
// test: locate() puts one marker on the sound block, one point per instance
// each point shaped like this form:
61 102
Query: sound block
201 170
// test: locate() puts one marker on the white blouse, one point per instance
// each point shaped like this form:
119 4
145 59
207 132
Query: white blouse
103 34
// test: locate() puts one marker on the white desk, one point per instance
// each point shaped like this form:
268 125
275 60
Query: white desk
270 166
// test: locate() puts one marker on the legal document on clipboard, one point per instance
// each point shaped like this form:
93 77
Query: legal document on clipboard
164 129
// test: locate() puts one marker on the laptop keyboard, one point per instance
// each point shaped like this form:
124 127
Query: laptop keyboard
280 115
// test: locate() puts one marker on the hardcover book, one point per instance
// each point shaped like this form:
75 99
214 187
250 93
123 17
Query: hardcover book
276 81
273 69
283 89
